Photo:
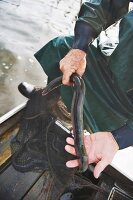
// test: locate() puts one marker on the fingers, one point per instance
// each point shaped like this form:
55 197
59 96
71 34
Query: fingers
69 65
72 163
80 71
70 150
70 141
66 78
101 165
67 74
73 62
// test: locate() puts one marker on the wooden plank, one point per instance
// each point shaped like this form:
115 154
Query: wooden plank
39 189
14 185
5 151
10 122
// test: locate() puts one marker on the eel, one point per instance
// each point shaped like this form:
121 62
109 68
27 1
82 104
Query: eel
76 115
77 120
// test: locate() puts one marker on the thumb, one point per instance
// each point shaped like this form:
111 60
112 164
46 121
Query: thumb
66 78
100 166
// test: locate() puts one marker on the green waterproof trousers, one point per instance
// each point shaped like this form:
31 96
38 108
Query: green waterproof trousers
108 80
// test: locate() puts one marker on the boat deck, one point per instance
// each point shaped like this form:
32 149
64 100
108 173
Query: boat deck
15 185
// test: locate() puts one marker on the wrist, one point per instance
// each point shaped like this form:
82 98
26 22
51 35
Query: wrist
84 35
78 52
114 141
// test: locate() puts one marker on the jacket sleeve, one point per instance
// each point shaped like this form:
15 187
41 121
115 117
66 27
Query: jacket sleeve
95 16
123 136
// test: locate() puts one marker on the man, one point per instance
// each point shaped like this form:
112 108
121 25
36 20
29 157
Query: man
108 106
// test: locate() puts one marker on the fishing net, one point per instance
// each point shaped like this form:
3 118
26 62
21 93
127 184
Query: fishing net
39 145
29 146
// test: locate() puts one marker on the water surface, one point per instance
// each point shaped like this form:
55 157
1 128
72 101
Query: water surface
25 26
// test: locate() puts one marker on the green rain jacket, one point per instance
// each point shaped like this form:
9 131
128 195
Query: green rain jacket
107 106
94 17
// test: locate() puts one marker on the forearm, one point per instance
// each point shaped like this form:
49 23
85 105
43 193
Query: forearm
95 16
84 35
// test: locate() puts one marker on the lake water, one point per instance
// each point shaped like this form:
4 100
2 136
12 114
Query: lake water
25 26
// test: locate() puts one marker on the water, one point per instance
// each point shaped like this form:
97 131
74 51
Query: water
25 26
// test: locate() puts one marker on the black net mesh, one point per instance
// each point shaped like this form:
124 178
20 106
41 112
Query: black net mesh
29 146
39 145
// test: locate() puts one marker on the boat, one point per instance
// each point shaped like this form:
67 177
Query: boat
14 185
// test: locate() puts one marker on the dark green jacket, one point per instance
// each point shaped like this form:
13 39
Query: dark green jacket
94 17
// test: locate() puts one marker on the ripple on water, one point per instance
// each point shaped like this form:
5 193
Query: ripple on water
24 30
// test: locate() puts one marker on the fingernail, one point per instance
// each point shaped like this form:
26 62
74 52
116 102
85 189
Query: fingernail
67 140
64 82
67 163
97 176
67 148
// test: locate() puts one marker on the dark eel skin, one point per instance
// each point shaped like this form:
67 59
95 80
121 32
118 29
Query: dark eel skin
76 115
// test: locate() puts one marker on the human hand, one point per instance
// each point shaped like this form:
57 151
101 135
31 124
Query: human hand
100 148
73 62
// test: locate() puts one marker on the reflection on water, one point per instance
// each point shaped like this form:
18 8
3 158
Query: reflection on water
13 2
25 26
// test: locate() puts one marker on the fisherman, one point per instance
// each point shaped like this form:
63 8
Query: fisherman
108 106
